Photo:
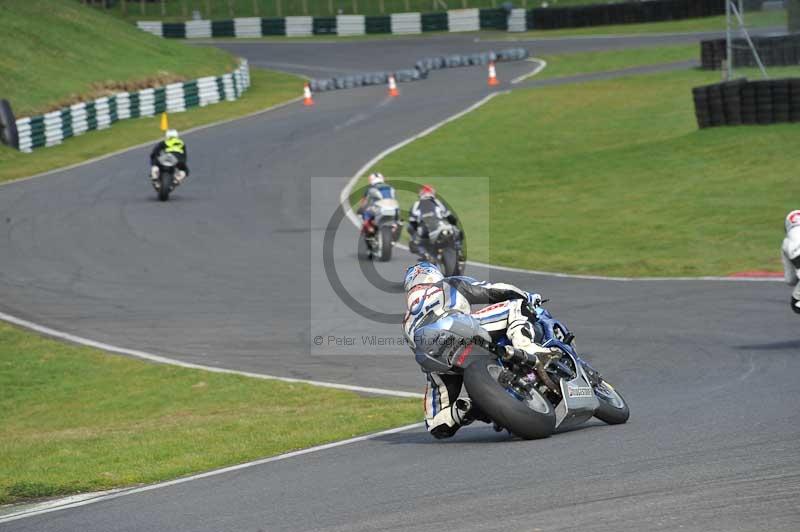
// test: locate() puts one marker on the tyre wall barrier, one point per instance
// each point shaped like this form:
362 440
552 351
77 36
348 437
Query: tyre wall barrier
738 102
779 50
454 20
8 125
463 20
420 70
52 128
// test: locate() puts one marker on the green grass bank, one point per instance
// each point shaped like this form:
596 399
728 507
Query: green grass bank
59 52
613 177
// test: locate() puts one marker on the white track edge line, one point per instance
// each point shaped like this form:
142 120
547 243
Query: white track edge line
150 142
344 196
542 65
114 494
173 362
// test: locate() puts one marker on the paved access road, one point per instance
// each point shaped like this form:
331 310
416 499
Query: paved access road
229 273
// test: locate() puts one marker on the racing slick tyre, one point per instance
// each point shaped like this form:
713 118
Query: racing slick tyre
613 408
363 248
385 239
530 417
449 262
163 188
8 126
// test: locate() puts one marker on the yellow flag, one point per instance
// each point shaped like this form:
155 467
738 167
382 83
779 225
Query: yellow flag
164 122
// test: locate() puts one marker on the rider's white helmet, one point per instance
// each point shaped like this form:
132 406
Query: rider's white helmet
792 220
375 178
171 134
422 273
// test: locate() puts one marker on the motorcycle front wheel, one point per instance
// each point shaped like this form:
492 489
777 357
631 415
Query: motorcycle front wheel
613 408
449 262
165 184
528 416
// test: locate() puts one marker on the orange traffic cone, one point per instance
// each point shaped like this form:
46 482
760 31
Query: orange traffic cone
393 86
307 98
493 75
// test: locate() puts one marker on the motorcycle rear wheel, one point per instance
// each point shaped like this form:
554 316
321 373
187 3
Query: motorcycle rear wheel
363 248
385 237
531 418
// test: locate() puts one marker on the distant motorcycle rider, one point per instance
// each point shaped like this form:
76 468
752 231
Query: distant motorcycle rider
378 191
426 211
431 297
791 256
173 144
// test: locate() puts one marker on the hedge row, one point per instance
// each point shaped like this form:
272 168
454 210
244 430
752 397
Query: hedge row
739 102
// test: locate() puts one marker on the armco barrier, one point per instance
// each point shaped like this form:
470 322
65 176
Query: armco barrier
779 50
739 102
52 128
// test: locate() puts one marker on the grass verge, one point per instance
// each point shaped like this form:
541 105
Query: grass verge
268 88
57 51
613 177
74 419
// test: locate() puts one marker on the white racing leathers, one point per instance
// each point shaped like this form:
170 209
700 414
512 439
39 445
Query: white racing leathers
426 305
791 264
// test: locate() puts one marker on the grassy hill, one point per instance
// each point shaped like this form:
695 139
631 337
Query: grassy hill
56 51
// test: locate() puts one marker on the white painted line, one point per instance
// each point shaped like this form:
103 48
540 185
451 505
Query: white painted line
345 194
70 502
164 360
542 64
149 143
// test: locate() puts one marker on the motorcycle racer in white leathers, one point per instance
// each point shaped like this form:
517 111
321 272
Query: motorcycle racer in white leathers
791 256
430 297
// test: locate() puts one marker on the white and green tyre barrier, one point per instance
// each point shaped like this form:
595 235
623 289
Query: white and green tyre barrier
454 20
52 128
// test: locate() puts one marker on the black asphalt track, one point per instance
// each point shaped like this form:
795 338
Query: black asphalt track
230 273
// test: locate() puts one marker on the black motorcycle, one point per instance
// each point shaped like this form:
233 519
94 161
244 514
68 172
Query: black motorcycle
445 246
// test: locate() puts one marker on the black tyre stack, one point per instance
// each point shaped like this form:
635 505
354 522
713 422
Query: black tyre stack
748 97
715 106
701 109
764 110
732 102
780 100
747 102
8 126
794 100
